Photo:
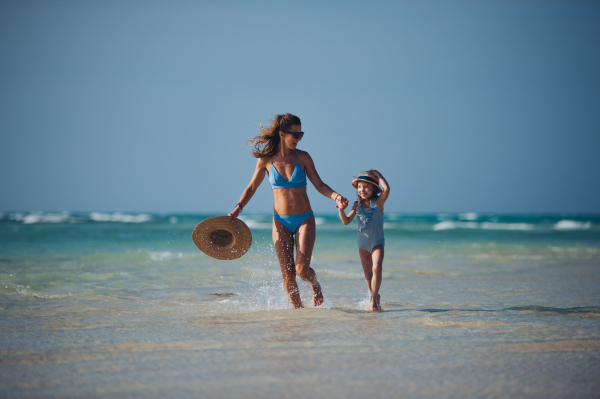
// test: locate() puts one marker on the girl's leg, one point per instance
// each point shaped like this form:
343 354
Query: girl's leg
367 264
305 242
284 245
377 262
372 264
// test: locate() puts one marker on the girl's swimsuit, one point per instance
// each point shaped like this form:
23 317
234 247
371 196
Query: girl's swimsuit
298 179
370 226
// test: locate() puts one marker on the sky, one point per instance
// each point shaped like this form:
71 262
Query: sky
146 106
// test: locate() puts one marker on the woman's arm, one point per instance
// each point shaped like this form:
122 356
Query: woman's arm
321 187
257 178
384 186
351 214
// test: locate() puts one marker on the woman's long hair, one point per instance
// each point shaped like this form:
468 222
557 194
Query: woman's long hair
267 144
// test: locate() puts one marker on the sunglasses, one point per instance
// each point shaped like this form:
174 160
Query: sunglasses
297 135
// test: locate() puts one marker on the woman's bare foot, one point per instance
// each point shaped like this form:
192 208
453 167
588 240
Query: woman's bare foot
375 304
317 295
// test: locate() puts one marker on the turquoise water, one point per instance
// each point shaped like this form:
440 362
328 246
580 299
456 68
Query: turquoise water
124 305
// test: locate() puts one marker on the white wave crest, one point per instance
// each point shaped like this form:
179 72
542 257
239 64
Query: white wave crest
468 216
449 225
258 223
507 226
39 217
572 225
120 217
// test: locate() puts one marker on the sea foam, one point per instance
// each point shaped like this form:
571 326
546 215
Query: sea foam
572 225
120 217
449 225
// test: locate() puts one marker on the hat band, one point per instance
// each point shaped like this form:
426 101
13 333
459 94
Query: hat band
367 178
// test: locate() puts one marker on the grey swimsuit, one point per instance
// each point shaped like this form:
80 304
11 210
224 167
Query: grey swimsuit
370 226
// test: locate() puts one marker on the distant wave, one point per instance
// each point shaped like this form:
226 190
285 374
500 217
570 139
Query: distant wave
119 217
39 217
401 223
449 225
572 225
507 226
468 216
66 217
257 222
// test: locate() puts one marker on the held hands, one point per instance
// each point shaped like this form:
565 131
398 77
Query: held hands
342 202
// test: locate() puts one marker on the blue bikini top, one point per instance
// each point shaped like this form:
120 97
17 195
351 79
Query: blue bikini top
298 178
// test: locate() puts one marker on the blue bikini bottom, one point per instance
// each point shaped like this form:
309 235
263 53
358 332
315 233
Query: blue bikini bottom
292 222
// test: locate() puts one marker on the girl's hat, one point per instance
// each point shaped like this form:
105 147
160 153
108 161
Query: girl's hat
220 238
369 178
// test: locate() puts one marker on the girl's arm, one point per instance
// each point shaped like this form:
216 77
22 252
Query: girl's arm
257 178
351 214
321 187
384 186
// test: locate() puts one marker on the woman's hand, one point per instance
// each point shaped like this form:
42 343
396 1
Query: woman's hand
235 213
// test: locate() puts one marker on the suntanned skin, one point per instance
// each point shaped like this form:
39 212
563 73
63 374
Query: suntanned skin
372 263
292 201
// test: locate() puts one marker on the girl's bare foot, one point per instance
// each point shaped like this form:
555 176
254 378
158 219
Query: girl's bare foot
317 295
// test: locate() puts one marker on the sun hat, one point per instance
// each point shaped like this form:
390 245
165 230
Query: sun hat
369 178
220 238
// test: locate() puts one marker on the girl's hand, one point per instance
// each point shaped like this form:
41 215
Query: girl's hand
376 173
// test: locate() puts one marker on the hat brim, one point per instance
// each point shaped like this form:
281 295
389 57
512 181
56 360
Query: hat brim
221 239
358 179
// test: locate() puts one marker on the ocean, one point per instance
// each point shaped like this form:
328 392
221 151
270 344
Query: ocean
123 305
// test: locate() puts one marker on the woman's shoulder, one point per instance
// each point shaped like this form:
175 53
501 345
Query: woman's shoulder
304 157
302 154
263 162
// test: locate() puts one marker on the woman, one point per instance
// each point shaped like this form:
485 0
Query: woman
288 169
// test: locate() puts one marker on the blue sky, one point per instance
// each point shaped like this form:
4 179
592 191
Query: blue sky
466 106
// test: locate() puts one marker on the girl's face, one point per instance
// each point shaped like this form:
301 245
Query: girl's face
288 139
365 190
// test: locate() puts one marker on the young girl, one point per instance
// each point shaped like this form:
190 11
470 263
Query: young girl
369 208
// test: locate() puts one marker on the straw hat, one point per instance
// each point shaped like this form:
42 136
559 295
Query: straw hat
369 178
221 239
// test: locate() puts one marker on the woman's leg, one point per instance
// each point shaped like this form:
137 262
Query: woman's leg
284 246
305 242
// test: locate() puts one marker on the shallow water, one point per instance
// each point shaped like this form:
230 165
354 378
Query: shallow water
120 305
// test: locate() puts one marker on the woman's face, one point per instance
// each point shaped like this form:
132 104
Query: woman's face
365 190
289 140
